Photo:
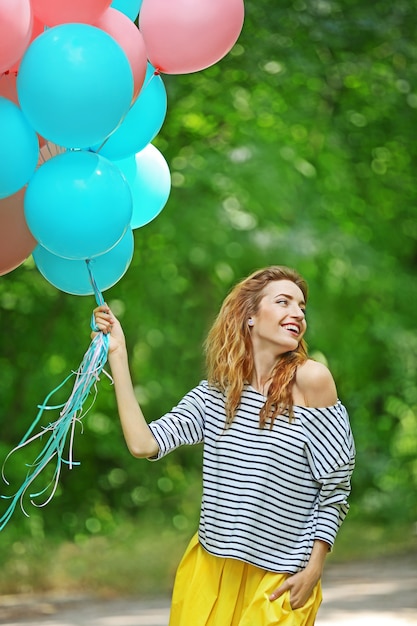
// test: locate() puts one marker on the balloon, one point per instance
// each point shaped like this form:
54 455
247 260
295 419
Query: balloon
78 205
19 148
130 39
15 30
74 84
130 8
37 29
8 90
8 87
150 183
16 240
141 124
53 12
73 276
183 36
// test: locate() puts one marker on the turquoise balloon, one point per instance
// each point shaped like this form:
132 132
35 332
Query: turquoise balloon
78 205
130 8
142 123
150 183
19 148
73 276
74 84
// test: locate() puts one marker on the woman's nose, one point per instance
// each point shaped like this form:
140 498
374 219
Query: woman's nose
298 312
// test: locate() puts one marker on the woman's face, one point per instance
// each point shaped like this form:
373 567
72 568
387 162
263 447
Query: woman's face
279 323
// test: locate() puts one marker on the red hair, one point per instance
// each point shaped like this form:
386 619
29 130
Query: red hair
229 353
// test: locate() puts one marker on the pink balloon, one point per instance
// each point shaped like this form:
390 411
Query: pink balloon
130 39
37 29
53 12
16 241
184 36
15 29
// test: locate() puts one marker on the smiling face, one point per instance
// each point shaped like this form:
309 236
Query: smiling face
279 323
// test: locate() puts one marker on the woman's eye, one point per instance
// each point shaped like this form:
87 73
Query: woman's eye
282 301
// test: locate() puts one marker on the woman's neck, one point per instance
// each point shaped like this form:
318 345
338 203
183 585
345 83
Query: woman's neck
264 366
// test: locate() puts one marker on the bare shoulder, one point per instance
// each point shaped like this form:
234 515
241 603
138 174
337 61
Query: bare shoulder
314 382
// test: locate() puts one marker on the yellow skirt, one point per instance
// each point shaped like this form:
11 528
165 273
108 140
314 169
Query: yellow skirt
214 591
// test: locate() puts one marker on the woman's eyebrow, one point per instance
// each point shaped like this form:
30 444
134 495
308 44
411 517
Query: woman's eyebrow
286 295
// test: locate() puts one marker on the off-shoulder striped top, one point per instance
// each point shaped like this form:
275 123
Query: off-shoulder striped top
268 494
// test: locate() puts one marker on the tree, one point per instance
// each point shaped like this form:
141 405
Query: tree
297 148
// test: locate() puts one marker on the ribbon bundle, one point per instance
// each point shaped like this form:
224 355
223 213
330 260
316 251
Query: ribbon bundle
59 435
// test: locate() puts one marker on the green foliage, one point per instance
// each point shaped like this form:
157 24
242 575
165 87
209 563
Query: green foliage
297 148
139 557
130 560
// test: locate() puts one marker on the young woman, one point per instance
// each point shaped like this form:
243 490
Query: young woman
278 457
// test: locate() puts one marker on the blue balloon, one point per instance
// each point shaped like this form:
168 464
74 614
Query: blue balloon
78 205
130 8
142 123
150 183
19 149
74 84
73 276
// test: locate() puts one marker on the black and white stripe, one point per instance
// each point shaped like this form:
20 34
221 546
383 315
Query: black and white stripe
267 494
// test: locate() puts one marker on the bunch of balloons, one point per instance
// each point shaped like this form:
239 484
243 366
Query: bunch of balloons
81 99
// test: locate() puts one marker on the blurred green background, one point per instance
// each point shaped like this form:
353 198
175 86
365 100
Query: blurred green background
297 148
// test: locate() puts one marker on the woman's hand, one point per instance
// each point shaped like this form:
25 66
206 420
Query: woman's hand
300 586
138 435
110 325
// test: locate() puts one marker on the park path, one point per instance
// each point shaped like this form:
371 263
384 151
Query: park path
377 593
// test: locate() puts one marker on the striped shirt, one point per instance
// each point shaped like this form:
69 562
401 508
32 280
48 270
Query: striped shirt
268 494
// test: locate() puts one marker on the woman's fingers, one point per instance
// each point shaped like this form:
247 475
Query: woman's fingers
104 318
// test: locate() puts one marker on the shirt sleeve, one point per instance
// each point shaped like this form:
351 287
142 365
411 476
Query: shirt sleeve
183 425
331 454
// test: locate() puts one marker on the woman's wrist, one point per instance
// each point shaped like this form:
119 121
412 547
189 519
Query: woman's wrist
118 355
317 559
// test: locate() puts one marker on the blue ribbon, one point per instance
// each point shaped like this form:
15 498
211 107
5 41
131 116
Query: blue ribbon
59 435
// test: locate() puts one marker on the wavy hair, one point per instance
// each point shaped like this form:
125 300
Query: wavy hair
229 352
